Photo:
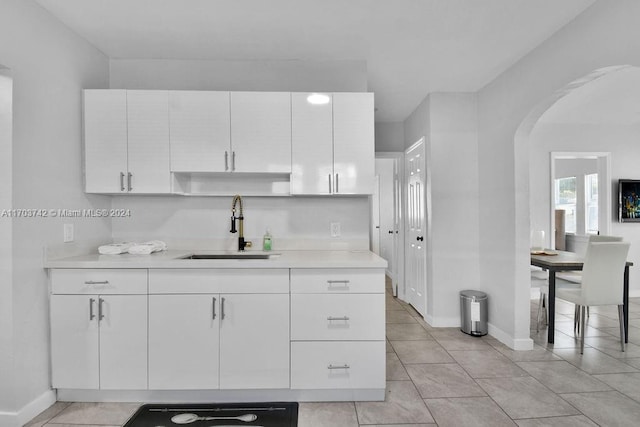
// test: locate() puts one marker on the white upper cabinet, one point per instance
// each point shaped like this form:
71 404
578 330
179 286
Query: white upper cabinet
105 140
200 124
126 137
332 144
311 145
148 128
353 143
261 132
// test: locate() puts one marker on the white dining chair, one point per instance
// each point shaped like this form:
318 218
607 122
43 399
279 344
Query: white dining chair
602 278
568 280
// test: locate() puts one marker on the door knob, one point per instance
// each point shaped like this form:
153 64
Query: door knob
390 231
420 238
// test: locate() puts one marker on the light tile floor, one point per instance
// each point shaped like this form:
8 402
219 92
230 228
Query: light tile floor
442 377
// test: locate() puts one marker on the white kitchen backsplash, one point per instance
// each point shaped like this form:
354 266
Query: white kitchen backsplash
203 222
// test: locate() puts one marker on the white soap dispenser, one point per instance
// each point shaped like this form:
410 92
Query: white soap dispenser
266 241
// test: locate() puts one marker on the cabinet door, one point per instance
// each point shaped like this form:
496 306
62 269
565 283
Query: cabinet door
105 140
261 132
123 342
254 341
183 341
74 341
200 131
148 130
353 143
311 145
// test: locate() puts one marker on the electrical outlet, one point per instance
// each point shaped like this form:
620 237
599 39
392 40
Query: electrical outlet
335 229
68 233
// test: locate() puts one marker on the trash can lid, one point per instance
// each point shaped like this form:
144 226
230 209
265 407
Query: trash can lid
473 294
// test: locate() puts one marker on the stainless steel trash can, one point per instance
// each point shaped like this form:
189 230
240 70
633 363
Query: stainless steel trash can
473 312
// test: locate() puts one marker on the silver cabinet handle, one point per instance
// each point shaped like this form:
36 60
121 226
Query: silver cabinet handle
331 282
233 160
226 160
213 309
345 366
130 180
91 282
221 308
121 181
100 313
337 190
329 183
338 318
91 315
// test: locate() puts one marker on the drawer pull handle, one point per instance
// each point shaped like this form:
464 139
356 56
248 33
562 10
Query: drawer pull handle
345 366
338 318
92 282
333 282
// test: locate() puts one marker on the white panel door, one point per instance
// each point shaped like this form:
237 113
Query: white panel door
311 145
254 341
105 140
148 125
385 171
261 132
200 131
184 340
416 250
353 143
123 342
74 341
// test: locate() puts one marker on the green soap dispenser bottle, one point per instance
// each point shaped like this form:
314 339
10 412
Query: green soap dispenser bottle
266 241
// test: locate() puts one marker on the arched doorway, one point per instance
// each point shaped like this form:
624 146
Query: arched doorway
597 113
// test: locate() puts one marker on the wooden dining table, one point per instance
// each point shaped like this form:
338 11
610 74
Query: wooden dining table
555 261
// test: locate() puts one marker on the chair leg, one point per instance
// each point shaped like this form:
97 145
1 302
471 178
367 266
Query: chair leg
539 313
621 319
582 320
588 312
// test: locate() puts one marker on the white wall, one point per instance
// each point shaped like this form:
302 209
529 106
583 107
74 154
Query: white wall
204 222
390 136
294 76
49 65
449 122
605 34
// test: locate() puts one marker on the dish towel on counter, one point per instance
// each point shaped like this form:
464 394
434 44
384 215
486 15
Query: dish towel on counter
147 248
115 248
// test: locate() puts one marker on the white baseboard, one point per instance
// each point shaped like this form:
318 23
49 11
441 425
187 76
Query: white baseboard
28 411
520 344
443 322
205 396
634 294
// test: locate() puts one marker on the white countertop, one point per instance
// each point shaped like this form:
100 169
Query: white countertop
172 259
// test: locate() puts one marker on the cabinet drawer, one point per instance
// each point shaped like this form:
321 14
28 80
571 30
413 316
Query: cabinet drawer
229 281
337 365
337 317
99 281
339 280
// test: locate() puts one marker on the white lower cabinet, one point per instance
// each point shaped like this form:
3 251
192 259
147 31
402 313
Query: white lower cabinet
254 341
184 335
219 339
338 365
337 329
99 341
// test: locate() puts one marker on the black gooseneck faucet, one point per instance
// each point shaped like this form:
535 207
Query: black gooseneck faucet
241 242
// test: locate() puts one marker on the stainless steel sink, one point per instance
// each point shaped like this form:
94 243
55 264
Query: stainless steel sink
228 256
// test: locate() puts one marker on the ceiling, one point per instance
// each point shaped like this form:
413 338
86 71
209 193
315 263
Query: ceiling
411 47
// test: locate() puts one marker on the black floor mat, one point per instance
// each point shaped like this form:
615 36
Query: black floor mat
272 414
